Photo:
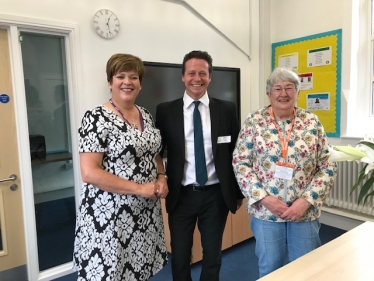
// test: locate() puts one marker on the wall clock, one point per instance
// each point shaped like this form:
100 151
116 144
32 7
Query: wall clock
106 23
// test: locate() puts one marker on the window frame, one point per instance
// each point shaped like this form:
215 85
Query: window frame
358 74
372 58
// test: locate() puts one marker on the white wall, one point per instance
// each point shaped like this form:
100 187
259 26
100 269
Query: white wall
154 30
297 18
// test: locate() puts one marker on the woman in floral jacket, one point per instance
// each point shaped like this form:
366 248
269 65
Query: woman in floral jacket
281 165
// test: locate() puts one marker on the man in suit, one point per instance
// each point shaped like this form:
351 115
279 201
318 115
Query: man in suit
198 193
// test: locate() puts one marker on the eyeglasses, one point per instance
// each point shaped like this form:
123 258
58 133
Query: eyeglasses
288 89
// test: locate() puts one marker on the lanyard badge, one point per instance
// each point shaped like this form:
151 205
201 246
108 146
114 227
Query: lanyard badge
284 170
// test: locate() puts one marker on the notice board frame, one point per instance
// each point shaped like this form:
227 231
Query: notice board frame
307 57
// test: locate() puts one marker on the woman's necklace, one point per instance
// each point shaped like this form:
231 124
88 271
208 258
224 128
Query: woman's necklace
132 124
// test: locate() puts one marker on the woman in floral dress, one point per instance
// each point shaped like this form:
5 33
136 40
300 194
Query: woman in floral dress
119 231
281 162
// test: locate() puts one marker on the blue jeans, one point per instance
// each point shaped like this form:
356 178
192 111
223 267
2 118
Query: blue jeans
278 243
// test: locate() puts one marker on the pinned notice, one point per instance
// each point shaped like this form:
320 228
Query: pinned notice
306 81
320 101
289 61
319 57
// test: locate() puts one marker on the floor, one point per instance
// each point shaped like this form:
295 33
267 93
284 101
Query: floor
239 262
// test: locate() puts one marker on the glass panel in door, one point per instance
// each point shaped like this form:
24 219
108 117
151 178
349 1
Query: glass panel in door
47 100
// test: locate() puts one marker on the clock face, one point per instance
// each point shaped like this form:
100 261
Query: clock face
106 23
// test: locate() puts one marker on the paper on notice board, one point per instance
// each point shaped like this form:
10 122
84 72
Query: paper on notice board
320 101
290 61
306 81
319 57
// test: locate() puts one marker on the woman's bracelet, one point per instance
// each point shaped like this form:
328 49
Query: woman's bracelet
166 177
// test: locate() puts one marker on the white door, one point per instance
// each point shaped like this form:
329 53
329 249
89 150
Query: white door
12 244
37 209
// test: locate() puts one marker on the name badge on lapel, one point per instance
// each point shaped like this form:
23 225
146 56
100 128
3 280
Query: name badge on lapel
224 139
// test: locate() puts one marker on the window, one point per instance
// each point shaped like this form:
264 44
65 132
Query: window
372 59
358 71
47 102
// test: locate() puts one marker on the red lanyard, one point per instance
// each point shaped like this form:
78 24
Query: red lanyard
284 142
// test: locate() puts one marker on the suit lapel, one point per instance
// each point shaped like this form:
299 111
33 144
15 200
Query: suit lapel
214 123
177 115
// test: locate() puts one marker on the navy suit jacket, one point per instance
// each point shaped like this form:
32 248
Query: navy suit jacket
224 122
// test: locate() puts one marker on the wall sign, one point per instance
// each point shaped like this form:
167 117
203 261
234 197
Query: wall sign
4 98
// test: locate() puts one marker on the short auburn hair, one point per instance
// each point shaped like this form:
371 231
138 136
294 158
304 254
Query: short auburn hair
124 62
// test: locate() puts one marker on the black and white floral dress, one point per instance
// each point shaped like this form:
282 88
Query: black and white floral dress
119 237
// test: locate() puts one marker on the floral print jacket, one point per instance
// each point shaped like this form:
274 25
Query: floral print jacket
258 149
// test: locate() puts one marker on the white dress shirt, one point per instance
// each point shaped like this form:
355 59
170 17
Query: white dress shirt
189 164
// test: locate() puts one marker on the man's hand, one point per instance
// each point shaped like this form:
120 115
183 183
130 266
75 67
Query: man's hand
239 202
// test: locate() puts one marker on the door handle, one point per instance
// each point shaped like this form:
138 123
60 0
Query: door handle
12 177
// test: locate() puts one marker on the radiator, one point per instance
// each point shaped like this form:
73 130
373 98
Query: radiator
340 195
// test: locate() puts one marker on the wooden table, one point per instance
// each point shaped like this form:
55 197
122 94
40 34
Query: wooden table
349 257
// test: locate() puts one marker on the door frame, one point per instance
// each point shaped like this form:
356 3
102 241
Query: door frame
14 25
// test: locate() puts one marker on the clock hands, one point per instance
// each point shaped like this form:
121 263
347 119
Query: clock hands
107 24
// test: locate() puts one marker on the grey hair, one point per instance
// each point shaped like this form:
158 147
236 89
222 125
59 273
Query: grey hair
281 74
